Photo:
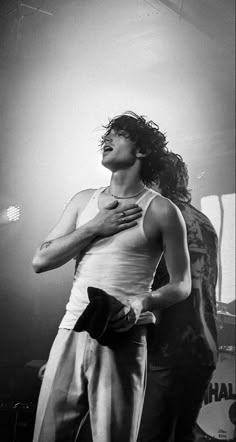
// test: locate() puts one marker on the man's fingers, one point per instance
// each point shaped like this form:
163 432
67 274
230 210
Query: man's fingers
125 322
131 208
126 225
115 203
136 211
120 314
129 218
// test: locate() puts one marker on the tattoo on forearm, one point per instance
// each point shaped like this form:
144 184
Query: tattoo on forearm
45 245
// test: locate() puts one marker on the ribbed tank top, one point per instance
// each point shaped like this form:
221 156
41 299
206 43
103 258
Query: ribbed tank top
123 264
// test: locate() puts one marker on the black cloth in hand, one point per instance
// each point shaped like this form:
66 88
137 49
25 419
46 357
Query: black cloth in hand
95 318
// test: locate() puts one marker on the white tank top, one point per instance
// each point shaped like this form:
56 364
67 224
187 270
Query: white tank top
123 264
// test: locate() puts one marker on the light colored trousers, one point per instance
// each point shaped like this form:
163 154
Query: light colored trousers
83 376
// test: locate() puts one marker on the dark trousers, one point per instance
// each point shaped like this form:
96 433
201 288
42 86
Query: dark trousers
172 403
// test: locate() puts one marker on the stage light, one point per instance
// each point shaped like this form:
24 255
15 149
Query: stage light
13 213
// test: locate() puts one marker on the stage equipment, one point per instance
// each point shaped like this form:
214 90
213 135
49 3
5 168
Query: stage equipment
10 214
217 417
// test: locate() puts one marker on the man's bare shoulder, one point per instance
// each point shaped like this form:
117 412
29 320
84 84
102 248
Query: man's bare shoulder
80 199
83 195
160 202
163 208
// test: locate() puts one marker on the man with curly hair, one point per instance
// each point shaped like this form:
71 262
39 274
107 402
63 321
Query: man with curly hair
183 352
97 364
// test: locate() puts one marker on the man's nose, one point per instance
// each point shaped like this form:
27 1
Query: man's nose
108 138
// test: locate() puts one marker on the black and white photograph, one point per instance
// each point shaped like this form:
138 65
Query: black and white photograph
117 221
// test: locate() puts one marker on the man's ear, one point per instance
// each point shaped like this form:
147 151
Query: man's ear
143 154
157 185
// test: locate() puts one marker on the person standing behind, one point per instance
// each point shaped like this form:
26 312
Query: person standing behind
118 235
183 352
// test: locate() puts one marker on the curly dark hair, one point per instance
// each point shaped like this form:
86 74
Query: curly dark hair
147 138
173 179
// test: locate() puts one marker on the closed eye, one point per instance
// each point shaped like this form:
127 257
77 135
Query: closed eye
123 133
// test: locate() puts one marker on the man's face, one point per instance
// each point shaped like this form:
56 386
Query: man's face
118 151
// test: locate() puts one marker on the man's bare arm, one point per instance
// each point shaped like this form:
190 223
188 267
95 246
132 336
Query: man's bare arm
169 222
174 238
60 244
56 252
66 241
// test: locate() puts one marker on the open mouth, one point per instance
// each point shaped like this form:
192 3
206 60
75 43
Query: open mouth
107 149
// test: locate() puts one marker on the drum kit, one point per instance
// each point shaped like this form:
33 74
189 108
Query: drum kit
217 417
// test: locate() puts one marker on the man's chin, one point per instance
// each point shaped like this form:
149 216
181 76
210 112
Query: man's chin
106 164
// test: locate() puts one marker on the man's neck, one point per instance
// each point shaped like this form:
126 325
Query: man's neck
125 183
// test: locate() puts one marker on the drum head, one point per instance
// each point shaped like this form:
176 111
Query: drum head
217 418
